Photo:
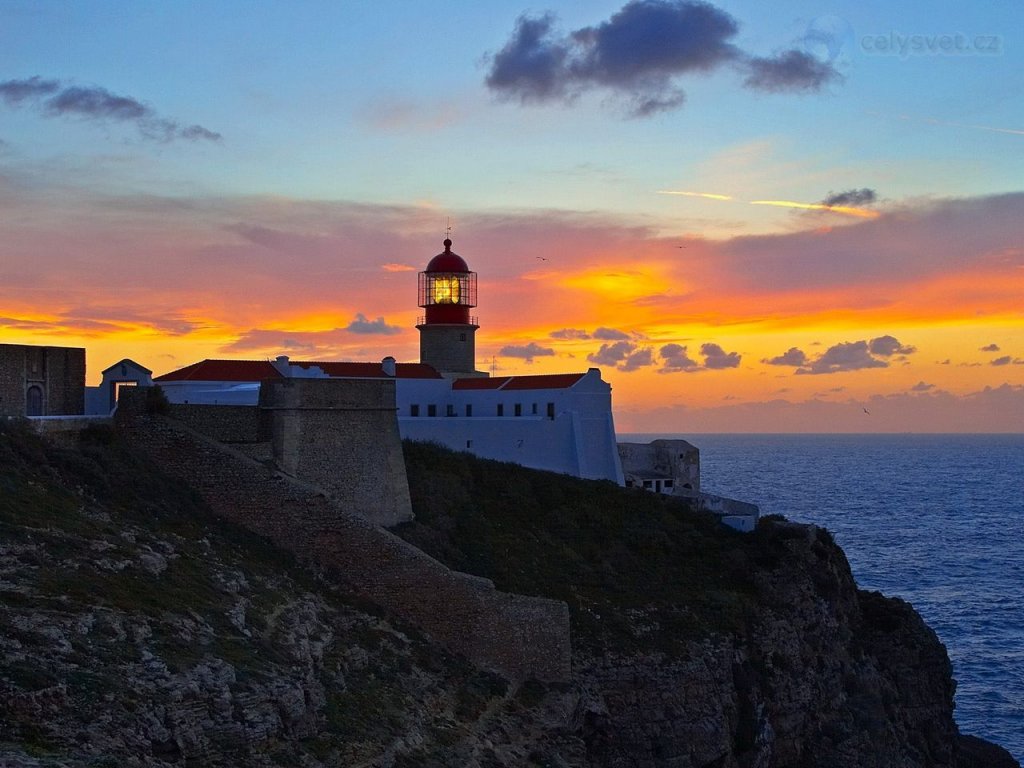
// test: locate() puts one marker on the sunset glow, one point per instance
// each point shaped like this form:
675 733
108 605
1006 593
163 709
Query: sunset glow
862 213
775 251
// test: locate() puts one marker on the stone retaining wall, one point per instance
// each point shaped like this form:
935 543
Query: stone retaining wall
514 635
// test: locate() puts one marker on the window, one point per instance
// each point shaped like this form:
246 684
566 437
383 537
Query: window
519 409
501 409
462 337
414 410
469 409
469 443
449 410
648 484
534 410
431 410
551 410
668 484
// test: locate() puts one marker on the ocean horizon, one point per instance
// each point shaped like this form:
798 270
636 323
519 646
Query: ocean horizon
933 518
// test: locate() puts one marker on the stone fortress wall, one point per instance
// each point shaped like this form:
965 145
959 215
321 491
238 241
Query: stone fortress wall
58 373
514 635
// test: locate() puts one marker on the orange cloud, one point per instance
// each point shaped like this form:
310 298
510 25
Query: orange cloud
863 213
707 195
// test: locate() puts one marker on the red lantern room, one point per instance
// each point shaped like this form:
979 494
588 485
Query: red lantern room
447 291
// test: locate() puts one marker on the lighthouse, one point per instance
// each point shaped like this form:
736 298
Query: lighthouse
447 292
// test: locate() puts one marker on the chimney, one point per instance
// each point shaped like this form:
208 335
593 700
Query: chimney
281 365
388 364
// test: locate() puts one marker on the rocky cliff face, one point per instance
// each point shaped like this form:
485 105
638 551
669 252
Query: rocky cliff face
823 675
138 630
694 645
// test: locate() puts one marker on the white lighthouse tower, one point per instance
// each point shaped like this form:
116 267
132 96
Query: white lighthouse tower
447 292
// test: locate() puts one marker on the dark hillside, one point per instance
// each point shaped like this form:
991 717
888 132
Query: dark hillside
694 645
136 629
607 551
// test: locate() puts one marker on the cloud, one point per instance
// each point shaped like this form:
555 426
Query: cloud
989 348
992 409
1007 360
392 267
924 240
676 359
846 356
527 352
610 334
14 92
372 327
637 54
886 346
272 341
639 359
95 103
717 358
791 356
922 387
789 71
851 197
569 333
612 354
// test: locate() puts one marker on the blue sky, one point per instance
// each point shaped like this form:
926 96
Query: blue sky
330 140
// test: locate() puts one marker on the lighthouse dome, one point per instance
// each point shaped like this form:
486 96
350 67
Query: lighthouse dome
447 261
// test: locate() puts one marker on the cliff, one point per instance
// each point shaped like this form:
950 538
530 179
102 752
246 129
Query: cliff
139 629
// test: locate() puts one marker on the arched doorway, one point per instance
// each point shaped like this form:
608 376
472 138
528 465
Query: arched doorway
34 401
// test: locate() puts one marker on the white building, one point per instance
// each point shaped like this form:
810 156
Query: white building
557 422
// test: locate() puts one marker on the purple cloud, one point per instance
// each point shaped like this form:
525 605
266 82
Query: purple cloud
639 359
526 352
846 356
789 71
676 360
569 333
371 327
637 54
887 346
791 356
612 354
96 103
610 334
717 358
851 197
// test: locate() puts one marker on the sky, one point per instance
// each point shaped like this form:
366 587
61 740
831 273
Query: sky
797 216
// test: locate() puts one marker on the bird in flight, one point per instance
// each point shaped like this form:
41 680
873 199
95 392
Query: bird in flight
541 258
866 411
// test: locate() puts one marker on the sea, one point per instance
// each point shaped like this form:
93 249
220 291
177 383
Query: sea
937 520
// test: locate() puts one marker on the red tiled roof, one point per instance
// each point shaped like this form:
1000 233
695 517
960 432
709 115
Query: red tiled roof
258 370
480 383
544 381
223 370
506 383
346 370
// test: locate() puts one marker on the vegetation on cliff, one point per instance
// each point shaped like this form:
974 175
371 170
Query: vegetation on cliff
137 629
609 552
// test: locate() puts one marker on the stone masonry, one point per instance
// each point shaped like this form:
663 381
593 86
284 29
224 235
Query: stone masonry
341 435
514 635
56 374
